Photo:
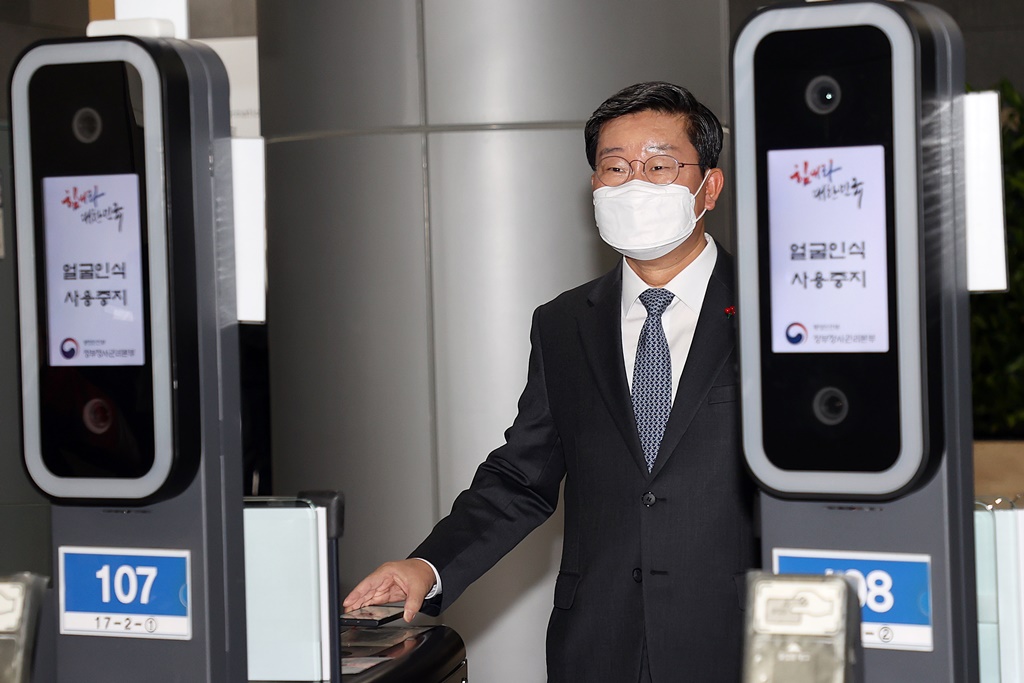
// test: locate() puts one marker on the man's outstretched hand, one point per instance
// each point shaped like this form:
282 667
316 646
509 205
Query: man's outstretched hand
408 580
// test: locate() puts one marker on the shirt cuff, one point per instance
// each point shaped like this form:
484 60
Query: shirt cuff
436 590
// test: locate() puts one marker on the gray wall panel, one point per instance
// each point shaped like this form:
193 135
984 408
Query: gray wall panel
339 65
493 61
508 232
348 337
512 225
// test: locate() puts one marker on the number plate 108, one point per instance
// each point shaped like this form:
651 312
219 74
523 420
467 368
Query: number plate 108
894 591
125 592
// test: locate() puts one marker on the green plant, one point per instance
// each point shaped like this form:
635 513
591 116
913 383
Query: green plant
997 320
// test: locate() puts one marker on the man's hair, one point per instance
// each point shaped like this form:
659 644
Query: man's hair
702 126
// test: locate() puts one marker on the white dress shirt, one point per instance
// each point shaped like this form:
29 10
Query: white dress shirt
680 318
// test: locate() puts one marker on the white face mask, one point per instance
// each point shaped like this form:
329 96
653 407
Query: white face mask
645 221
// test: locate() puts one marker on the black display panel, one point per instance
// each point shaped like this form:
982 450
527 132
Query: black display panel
826 249
92 272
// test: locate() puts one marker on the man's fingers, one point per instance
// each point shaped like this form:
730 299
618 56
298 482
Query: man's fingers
415 592
407 580
413 604
419 579
367 590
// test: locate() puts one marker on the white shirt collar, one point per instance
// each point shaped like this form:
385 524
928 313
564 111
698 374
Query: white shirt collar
688 286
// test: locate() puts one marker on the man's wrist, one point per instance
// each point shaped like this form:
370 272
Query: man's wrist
436 590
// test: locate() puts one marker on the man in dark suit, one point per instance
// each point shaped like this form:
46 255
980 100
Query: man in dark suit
631 400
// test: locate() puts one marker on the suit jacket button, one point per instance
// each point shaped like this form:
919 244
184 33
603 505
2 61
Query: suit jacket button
638 575
648 499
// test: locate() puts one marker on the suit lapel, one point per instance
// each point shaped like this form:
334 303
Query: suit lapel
713 342
600 328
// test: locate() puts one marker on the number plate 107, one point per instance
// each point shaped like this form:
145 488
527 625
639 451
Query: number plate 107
125 592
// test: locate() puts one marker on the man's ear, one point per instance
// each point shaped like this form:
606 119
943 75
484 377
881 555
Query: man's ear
713 187
593 181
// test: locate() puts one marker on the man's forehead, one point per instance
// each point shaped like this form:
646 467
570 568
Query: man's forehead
651 130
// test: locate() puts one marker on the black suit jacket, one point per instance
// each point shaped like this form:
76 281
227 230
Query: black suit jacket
664 570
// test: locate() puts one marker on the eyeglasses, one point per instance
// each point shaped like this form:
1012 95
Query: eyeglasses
660 170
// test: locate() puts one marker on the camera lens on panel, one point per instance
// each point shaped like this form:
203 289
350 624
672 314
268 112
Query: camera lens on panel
830 406
87 125
823 94
98 415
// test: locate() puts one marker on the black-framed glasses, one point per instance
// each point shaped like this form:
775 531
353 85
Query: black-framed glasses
660 170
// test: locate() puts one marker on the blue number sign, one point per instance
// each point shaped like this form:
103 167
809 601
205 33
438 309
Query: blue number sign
894 591
125 592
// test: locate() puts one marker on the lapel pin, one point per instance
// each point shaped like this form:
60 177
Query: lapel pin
730 311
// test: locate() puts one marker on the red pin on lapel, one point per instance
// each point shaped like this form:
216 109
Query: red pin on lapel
730 311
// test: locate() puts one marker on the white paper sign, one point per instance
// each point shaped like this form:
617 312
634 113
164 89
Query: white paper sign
827 231
94 293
